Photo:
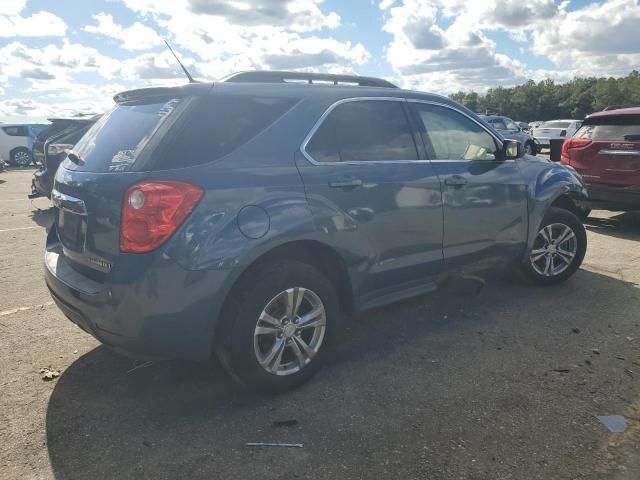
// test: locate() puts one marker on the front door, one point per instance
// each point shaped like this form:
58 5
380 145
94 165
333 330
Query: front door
484 196
370 192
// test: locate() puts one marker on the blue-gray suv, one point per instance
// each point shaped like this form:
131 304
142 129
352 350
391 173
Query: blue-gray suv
246 218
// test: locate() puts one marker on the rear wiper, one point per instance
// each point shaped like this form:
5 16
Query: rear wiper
75 158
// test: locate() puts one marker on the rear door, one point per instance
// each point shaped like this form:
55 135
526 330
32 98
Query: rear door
373 194
484 196
613 156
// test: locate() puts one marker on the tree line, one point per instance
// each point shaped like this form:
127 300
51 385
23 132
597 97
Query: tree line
547 100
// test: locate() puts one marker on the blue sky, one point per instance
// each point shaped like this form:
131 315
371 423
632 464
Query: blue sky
64 56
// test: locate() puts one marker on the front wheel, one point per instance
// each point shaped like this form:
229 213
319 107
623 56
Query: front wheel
558 249
274 335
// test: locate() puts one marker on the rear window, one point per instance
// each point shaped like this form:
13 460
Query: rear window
175 133
555 125
623 128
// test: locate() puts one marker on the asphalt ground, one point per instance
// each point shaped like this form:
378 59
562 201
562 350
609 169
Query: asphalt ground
486 379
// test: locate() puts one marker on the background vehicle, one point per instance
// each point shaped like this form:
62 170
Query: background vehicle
524 126
57 126
66 133
16 142
606 152
554 130
509 129
240 218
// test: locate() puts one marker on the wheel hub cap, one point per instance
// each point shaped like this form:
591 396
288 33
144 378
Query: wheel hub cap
554 249
289 331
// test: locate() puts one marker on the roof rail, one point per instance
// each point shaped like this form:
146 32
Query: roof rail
271 76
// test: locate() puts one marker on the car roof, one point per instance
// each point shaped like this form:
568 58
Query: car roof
282 89
610 113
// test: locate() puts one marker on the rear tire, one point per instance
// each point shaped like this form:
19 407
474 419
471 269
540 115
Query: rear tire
261 318
558 249
21 157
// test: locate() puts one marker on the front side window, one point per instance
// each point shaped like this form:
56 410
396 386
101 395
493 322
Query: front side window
364 130
449 135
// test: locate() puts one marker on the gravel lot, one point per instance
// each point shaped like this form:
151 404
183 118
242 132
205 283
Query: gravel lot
500 381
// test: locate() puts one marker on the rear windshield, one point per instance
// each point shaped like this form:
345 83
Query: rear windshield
611 128
175 133
555 125
116 140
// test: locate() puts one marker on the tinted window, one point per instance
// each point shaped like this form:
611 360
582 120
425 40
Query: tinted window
369 130
618 129
452 136
15 131
117 139
322 146
498 123
215 126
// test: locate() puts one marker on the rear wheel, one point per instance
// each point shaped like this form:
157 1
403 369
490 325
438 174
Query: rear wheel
21 157
274 335
558 249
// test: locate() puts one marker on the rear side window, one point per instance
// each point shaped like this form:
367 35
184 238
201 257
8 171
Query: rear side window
364 130
15 131
616 129
214 126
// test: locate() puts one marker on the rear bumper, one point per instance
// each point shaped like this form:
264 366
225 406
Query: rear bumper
613 198
167 312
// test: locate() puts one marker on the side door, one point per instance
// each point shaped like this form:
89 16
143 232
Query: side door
484 196
373 194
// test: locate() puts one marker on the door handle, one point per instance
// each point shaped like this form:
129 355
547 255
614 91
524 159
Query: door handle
455 181
346 182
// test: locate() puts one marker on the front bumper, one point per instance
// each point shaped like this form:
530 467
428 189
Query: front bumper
167 312
606 197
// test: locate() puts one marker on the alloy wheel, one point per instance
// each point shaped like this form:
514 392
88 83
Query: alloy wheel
22 158
554 250
289 331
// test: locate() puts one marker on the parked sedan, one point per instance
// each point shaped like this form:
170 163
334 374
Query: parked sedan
245 219
554 130
510 129
16 142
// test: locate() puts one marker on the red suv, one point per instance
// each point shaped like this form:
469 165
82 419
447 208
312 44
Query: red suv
606 152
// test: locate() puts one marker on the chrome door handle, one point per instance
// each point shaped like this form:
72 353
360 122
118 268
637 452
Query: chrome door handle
346 183
455 181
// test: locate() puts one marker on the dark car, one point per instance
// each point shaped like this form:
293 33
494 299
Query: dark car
50 149
244 218
606 152
510 129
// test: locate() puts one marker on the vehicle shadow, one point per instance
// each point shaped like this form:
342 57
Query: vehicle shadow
625 225
414 363
43 217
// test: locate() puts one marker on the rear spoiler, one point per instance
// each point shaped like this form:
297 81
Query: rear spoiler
158 94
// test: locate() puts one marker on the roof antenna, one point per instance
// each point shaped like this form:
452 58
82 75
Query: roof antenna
184 69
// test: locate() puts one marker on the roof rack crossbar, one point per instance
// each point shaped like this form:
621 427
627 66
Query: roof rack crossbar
311 78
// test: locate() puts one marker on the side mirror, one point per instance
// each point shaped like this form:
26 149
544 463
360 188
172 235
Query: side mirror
512 149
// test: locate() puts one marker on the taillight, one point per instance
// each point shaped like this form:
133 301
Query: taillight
563 133
572 144
153 210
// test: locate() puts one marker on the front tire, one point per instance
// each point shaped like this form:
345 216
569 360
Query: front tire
558 249
274 334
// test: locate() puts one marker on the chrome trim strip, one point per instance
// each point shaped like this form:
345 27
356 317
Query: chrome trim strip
621 153
307 139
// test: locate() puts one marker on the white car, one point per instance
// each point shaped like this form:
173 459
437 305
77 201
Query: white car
16 142
554 130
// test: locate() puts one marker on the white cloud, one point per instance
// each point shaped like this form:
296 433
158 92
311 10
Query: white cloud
12 7
135 37
40 24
